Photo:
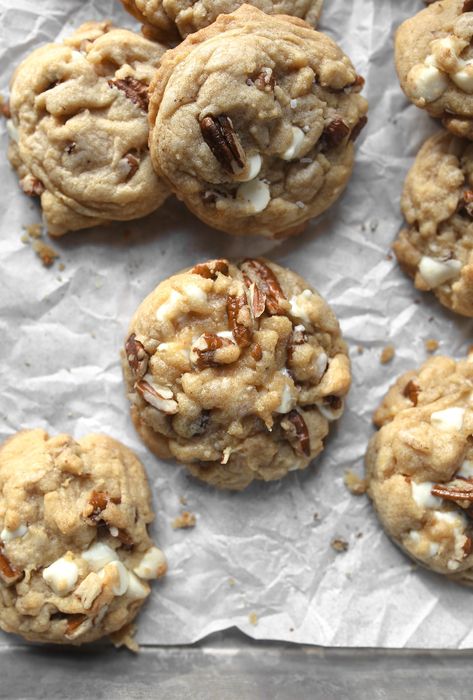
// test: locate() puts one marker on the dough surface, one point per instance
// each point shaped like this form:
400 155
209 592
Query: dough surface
434 61
253 121
170 19
436 248
419 465
75 554
235 371
79 130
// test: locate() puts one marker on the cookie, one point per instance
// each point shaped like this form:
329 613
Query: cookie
436 248
170 19
75 554
79 129
434 61
253 121
236 371
420 466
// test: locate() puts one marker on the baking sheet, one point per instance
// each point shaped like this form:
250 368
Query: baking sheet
263 556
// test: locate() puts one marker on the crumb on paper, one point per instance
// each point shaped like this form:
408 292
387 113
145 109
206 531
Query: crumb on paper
231 582
253 618
291 629
44 251
183 501
61 267
316 516
389 256
374 225
354 483
360 349
34 230
431 345
359 535
339 545
125 638
184 521
387 354
5 108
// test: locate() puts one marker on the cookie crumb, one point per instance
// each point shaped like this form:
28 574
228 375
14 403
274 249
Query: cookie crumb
231 582
5 108
184 521
34 230
125 638
360 349
46 254
183 501
354 483
359 535
253 618
373 225
339 545
61 267
387 354
316 516
431 345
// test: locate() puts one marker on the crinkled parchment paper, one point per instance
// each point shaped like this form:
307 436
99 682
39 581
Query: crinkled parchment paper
265 551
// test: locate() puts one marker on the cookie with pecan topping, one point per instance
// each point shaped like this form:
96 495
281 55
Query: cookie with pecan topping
434 61
420 465
235 370
169 20
79 128
436 248
75 554
253 121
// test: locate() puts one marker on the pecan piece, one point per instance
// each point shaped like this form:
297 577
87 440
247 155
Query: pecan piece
210 269
265 80
5 110
358 128
236 307
298 337
98 501
468 546
32 186
205 351
457 490
467 6
466 203
334 133
134 90
256 352
8 572
77 625
298 434
131 163
412 391
220 137
264 277
159 397
137 356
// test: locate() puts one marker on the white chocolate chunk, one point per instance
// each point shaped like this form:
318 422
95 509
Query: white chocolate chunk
171 307
434 549
321 364
115 575
99 555
225 334
436 272
195 294
287 401
61 575
449 419
7 535
136 589
464 79
256 194
466 469
252 169
421 494
12 131
299 306
297 138
427 82
152 565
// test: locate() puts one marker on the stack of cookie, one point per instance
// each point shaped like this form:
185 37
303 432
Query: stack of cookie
235 370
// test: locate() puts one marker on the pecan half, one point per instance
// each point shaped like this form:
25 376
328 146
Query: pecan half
467 6
204 352
220 137
8 572
298 434
134 90
334 133
358 128
210 269
412 391
159 397
237 312
257 271
457 490
137 356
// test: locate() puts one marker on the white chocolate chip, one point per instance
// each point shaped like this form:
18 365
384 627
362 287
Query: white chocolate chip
458 523
256 194
152 565
99 555
171 307
287 401
466 469
7 535
252 169
421 494
225 334
195 294
427 82
321 364
464 79
299 306
297 138
113 531
61 575
434 548
436 272
449 419
293 104
115 575
12 131
136 589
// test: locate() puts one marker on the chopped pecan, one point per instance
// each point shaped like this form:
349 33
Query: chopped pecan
412 391
32 186
204 352
236 306
8 572
357 84
257 271
125 539
210 269
220 137
134 90
467 6
5 109
265 80
98 501
467 546
256 352
159 397
298 337
334 133
466 203
137 356
358 128
256 297
333 402
133 163
457 490
298 434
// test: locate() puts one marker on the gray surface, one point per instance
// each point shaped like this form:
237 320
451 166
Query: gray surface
232 667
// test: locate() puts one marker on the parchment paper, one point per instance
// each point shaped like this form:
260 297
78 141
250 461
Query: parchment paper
262 551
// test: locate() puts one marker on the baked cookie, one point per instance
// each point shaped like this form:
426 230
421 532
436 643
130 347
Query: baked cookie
253 121
79 129
75 555
169 20
434 61
420 465
235 371
436 248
